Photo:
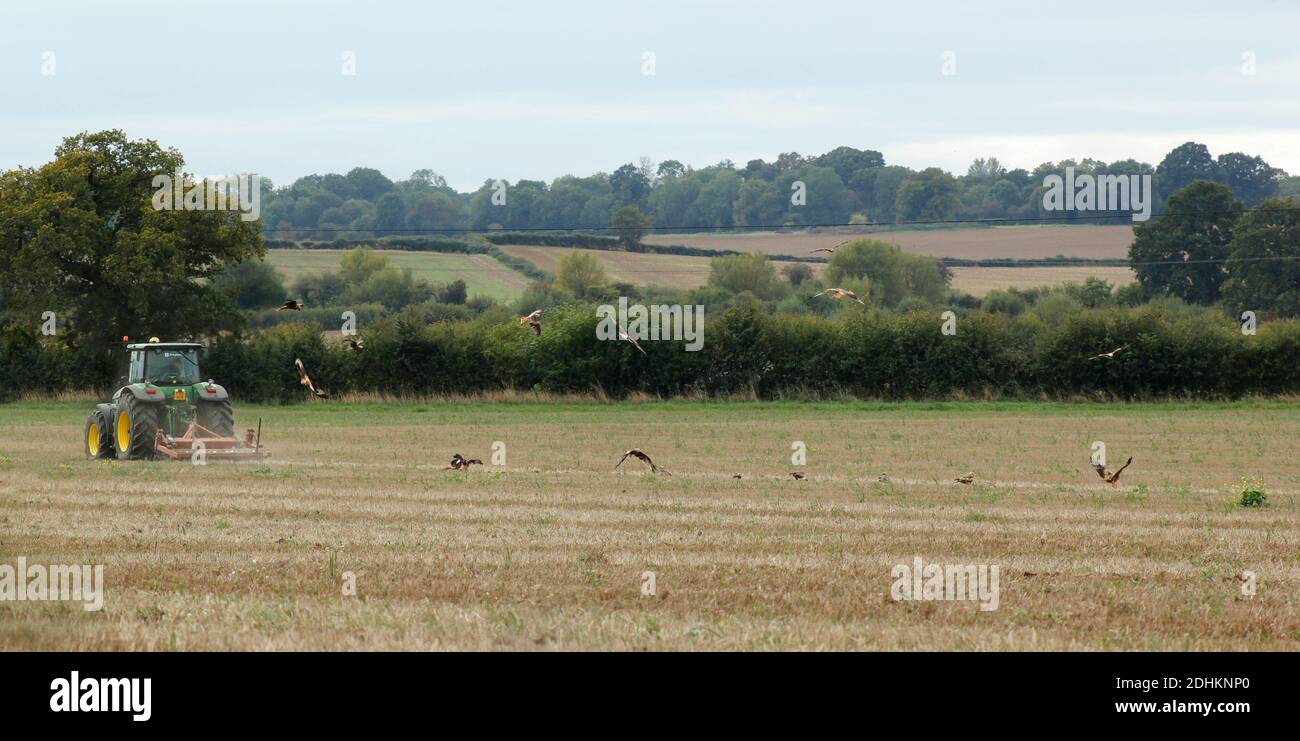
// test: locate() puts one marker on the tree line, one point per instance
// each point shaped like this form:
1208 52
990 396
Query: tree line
844 185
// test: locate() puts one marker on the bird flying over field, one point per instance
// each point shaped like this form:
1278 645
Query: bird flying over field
305 380
1111 477
291 305
622 335
533 320
968 479
1109 355
841 293
357 344
831 250
459 463
638 454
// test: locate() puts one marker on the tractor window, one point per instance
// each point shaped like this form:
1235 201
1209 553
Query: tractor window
136 371
171 367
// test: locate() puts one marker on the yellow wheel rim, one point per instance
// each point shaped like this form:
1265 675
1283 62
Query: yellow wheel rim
92 438
123 431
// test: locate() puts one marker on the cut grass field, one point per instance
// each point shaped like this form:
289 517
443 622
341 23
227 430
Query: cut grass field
548 551
482 274
681 271
970 243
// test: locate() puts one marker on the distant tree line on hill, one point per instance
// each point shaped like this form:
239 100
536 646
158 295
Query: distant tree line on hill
89 250
845 185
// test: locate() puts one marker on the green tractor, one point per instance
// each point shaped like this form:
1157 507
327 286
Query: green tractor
165 410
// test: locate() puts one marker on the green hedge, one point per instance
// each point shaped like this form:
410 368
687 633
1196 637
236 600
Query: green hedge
866 355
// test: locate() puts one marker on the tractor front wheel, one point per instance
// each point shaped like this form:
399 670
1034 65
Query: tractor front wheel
99 435
134 429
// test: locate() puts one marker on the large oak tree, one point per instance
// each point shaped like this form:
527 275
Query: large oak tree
79 236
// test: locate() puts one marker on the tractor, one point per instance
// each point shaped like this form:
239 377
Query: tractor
165 410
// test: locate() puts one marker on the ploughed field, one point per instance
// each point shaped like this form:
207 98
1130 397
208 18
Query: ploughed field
551 550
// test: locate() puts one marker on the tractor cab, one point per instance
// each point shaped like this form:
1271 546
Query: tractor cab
164 363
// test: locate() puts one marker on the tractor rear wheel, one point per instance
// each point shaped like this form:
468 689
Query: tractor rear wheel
99 435
218 417
134 429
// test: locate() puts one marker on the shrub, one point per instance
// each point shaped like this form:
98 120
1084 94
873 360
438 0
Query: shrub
1253 494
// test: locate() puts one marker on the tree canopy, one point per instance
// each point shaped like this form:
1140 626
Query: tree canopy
80 236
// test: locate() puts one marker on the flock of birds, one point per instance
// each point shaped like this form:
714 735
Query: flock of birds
534 322
460 463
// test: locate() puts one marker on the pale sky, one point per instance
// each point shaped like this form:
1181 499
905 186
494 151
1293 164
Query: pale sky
505 89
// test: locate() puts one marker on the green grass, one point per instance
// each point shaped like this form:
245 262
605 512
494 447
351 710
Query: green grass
481 273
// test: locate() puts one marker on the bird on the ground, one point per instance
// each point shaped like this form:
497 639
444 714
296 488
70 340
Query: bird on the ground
291 305
305 380
968 479
839 293
797 475
623 335
357 344
736 476
635 453
459 463
883 477
533 320
1109 355
1110 477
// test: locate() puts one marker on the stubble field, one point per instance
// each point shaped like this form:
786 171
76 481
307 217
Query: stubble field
548 551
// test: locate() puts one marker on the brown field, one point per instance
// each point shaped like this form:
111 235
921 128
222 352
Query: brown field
548 552
974 244
979 281
676 271
672 271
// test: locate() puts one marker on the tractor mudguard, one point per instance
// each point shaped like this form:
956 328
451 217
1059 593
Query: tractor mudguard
217 393
109 410
140 393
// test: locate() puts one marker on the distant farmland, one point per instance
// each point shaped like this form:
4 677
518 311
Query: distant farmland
979 281
670 271
675 271
482 274
973 243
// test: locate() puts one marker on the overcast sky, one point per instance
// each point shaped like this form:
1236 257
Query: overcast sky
505 89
